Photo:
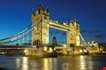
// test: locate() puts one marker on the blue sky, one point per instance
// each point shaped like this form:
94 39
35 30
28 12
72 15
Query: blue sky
58 34
91 14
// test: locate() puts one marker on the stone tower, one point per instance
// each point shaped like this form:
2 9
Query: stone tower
73 35
40 25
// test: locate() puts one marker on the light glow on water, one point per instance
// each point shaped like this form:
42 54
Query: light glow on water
86 63
24 63
60 63
18 62
46 64
49 64
82 63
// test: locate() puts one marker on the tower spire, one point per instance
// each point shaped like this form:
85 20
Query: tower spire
40 9
40 1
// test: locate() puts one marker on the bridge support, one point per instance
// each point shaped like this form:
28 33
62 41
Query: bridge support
73 34
40 32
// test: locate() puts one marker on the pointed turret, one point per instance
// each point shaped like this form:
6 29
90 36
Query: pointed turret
33 13
40 9
46 14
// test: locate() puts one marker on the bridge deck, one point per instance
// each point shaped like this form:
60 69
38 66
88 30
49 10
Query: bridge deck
59 26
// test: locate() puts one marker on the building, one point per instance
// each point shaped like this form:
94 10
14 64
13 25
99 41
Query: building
41 24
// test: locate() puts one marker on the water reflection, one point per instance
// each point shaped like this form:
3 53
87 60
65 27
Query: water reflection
46 64
63 63
59 63
49 64
86 63
18 62
22 63
65 66
25 63
82 63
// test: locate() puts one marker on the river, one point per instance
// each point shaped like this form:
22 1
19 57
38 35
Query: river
95 62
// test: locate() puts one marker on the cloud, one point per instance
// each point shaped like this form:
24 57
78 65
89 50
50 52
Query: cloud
100 36
90 31
95 33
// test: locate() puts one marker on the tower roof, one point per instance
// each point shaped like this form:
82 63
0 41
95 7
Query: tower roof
40 7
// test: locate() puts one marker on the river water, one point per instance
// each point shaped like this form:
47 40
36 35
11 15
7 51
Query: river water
59 63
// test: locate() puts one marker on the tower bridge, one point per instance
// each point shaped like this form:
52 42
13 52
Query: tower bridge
38 31
41 19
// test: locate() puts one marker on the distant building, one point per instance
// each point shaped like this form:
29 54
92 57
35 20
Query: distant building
93 44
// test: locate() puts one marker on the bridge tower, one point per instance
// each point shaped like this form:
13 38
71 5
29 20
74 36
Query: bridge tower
73 34
40 26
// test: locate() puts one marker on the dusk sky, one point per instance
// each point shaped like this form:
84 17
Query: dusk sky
91 15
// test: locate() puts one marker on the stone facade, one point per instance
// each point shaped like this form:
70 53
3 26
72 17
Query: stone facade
40 26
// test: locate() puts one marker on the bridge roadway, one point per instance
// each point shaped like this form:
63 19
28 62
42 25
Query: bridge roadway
18 50
63 27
